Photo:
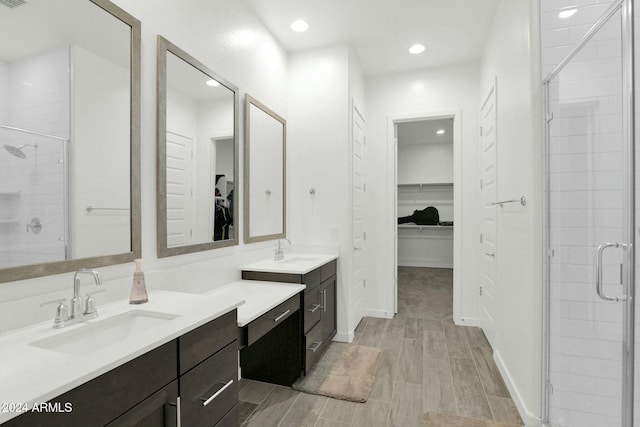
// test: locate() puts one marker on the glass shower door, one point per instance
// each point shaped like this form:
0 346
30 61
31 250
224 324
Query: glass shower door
589 229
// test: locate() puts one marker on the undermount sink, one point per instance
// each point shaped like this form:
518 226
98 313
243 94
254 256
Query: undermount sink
97 335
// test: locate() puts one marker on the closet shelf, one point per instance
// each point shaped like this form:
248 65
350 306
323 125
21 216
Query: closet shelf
427 184
425 227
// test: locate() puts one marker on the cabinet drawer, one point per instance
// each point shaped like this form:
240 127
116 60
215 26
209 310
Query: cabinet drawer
263 324
197 345
328 270
313 347
216 376
158 410
312 308
312 278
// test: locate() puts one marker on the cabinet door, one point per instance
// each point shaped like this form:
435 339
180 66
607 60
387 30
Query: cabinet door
158 410
328 295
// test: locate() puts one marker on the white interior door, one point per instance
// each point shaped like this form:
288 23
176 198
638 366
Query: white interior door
179 189
488 247
359 216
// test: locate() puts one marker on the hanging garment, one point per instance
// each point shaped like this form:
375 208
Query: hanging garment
221 223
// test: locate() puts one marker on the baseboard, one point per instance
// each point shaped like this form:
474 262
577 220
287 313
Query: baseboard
378 313
423 263
344 336
530 420
467 321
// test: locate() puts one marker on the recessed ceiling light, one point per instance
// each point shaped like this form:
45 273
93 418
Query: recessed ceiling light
212 83
440 132
299 26
416 49
567 13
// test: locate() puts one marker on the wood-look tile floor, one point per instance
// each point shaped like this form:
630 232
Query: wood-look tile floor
430 366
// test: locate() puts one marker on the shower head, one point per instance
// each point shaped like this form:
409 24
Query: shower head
17 151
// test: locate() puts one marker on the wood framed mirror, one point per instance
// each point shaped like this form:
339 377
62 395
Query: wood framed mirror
197 155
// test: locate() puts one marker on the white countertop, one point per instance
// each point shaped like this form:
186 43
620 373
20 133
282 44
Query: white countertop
37 375
293 263
260 297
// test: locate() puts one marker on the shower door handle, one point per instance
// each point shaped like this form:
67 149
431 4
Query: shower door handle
600 250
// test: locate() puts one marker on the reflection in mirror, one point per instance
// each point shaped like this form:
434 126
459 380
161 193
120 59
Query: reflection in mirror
69 79
197 152
265 173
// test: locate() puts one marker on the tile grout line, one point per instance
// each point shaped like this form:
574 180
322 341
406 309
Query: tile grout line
289 409
326 402
395 379
475 365
451 370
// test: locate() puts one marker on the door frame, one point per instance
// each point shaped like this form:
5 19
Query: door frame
392 139
490 94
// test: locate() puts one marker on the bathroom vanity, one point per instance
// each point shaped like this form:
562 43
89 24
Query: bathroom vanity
318 273
175 359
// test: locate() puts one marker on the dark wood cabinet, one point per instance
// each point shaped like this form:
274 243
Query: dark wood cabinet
272 345
319 305
328 313
152 389
158 410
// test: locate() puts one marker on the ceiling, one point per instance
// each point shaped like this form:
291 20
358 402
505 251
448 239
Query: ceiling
424 132
381 31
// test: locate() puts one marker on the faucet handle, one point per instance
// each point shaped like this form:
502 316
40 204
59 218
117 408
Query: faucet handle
62 312
90 304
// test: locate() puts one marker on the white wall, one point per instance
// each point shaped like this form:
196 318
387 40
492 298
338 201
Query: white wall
425 163
100 156
318 157
252 60
511 55
430 91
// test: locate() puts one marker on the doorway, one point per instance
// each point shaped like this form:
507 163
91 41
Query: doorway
426 244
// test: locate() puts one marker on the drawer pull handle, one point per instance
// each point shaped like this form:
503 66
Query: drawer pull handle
314 309
275 319
205 402
178 415
317 346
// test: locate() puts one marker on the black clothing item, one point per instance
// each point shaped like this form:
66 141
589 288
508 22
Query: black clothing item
222 221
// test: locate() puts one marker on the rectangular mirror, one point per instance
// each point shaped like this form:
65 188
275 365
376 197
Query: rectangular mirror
69 137
197 155
264 173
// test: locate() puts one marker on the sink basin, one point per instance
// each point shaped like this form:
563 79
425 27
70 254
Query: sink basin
95 336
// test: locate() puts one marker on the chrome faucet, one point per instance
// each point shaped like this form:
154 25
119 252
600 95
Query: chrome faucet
279 252
76 303
78 311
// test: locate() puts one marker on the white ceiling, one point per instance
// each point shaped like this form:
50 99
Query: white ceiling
424 132
381 31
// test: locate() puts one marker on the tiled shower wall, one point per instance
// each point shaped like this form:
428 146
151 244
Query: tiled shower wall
37 98
587 386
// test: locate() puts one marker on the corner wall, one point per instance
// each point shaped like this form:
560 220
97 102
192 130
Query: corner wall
453 88
512 55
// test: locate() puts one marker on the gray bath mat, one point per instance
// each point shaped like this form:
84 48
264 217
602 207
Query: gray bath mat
345 371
